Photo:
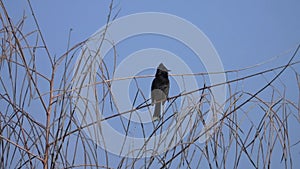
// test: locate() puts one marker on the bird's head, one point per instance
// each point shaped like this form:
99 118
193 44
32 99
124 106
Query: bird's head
162 70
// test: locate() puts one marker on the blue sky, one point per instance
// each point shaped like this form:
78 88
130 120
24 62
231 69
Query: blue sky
239 30
244 33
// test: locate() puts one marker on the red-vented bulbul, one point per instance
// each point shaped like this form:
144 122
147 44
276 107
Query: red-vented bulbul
159 90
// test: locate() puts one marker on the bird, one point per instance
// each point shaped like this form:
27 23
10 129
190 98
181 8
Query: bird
159 90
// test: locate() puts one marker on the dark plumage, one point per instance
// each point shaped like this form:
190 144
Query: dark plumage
159 90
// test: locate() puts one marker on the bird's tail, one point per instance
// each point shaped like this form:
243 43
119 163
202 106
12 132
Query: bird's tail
156 115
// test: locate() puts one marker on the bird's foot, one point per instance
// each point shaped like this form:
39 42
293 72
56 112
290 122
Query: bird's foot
155 118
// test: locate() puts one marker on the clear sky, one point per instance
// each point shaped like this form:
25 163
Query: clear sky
244 33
